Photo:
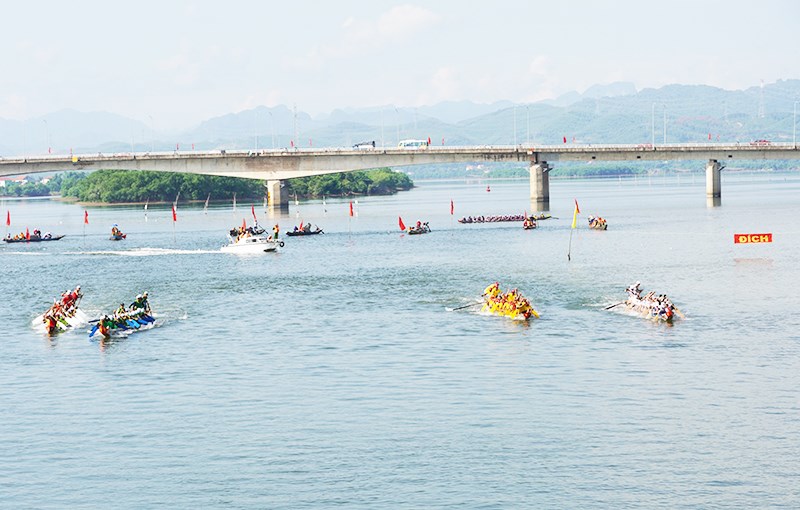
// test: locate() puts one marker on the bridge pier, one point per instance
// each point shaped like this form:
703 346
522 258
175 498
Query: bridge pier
278 195
540 186
713 183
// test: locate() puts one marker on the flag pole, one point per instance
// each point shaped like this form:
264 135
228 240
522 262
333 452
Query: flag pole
570 244
574 225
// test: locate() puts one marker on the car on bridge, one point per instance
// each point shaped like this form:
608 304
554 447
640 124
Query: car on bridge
760 142
365 145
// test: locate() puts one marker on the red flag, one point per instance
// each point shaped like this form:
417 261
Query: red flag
8 218
244 225
451 207
400 221
351 208
576 206
709 136
253 210
565 139
174 214
85 217
301 225
27 234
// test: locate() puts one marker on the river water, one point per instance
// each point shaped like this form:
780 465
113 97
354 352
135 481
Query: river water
333 374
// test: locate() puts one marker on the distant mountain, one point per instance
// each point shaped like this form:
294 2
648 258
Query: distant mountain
69 129
594 92
613 113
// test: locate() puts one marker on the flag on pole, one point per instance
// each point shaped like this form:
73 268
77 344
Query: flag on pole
8 218
27 234
253 210
575 215
301 224
244 225
351 208
451 207
174 214
400 222
85 217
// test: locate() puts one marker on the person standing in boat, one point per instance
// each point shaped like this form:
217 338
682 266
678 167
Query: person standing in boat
276 229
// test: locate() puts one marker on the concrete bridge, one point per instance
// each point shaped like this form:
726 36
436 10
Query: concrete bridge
275 166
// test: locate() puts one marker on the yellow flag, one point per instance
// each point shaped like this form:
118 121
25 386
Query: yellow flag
575 215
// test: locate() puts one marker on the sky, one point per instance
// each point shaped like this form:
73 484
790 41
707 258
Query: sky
173 64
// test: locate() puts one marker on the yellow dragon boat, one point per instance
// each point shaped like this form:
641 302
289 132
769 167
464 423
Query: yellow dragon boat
511 304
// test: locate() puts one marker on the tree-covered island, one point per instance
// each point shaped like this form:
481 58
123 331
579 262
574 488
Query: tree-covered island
122 186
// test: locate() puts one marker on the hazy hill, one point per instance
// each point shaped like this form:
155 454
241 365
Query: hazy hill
614 113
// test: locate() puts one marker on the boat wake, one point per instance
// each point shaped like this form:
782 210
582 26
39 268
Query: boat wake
146 252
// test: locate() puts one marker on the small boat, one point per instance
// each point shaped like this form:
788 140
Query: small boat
511 304
301 232
529 224
540 217
597 223
253 244
422 228
33 239
116 234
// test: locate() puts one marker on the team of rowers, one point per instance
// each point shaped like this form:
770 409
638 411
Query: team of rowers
133 317
511 304
597 222
658 307
492 219
55 318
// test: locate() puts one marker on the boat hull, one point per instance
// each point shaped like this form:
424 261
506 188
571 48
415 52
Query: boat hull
253 245
300 233
34 239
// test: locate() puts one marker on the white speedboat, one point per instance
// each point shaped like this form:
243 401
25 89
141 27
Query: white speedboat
252 245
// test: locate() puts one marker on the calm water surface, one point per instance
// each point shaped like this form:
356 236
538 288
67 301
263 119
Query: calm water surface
332 374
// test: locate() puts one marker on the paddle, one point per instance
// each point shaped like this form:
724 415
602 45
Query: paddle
616 304
462 307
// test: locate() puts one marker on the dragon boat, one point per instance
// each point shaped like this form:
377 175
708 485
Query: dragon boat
597 223
511 304
123 322
62 315
657 308
491 219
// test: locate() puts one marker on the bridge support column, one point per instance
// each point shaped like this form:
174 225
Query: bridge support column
713 183
278 195
540 186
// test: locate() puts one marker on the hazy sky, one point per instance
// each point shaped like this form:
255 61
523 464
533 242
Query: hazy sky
178 62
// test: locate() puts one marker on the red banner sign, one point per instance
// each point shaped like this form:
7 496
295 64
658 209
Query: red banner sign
752 238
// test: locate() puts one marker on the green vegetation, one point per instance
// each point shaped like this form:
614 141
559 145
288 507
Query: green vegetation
38 187
381 181
120 186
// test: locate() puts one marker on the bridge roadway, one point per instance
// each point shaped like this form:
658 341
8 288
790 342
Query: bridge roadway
277 165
